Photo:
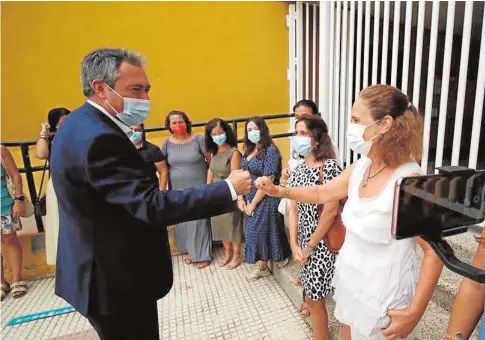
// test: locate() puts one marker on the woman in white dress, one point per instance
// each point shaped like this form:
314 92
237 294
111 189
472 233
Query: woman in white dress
55 119
379 291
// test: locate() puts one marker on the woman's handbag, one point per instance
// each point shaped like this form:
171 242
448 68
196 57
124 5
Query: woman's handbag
335 236
40 204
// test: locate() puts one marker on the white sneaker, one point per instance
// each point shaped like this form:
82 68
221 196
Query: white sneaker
258 273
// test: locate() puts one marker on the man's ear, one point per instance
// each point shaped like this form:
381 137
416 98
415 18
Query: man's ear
386 124
100 89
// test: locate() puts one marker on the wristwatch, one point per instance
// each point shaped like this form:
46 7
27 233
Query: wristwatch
309 250
19 198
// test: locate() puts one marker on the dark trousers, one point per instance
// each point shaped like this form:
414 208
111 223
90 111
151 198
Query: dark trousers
137 321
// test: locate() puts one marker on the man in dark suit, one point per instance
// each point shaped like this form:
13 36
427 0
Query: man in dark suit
113 260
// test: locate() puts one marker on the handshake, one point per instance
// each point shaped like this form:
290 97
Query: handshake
241 181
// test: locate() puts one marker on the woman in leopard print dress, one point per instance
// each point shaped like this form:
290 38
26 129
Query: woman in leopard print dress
312 143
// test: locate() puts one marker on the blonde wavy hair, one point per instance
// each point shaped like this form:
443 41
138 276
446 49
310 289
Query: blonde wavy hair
403 142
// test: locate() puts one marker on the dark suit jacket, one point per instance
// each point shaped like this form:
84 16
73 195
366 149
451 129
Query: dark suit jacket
113 241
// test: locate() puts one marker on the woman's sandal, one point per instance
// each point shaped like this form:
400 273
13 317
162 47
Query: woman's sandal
204 264
304 311
188 259
235 262
5 290
225 260
19 289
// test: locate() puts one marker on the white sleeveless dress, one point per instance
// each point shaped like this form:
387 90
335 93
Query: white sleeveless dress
374 272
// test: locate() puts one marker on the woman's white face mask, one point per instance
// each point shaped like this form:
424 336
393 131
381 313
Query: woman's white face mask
355 138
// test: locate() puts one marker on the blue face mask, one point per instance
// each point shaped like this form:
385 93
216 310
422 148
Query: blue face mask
135 111
254 136
302 145
136 137
219 140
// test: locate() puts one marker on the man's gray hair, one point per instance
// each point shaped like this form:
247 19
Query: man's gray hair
103 64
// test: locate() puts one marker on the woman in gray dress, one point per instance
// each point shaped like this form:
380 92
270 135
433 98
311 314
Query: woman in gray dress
187 162
221 142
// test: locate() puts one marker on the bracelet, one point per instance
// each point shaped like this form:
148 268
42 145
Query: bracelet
458 336
44 137
286 190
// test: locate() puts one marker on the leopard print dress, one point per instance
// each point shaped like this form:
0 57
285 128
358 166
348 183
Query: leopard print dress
317 275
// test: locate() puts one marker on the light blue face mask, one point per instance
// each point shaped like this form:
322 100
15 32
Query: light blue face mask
136 137
135 111
220 139
302 145
254 136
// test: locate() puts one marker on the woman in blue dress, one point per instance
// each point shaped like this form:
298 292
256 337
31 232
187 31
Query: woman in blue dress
265 235
469 302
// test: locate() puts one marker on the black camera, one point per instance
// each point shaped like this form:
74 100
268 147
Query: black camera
436 206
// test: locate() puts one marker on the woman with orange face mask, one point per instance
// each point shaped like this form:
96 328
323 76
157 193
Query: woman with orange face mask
187 161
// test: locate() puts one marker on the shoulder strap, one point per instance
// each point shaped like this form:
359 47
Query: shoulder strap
42 180
320 174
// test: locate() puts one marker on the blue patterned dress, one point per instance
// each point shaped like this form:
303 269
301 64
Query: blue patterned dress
265 234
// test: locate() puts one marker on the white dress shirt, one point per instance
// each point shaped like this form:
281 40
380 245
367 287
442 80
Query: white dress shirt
127 130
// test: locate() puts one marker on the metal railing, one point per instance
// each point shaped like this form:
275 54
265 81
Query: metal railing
29 170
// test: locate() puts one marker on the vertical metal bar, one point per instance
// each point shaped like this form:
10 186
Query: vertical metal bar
336 112
478 110
366 44
375 43
314 54
331 68
324 62
234 126
407 46
395 41
419 52
445 84
299 51
24 148
358 54
385 38
342 113
460 101
307 50
430 83
292 63
350 73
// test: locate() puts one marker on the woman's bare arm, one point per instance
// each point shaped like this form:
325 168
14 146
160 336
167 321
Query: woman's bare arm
42 149
469 301
293 224
12 170
326 220
431 267
163 171
210 176
334 190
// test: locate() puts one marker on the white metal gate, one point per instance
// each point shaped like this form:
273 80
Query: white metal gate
432 51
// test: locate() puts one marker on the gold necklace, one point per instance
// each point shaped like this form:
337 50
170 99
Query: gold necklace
368 176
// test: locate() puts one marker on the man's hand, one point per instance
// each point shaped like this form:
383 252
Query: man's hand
241 181
265 184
